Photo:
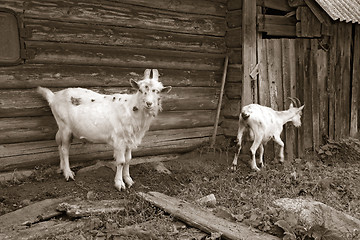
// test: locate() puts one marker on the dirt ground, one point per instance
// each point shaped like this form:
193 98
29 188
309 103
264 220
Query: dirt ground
245 195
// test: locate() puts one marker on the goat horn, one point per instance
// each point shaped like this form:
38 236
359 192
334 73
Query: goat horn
155 74
298 100
147 73
293 101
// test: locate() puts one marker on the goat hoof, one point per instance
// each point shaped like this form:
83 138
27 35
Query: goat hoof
255 169
69 174
120 186
129 182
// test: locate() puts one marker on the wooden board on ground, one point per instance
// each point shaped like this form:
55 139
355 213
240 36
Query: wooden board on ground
202 219
33 213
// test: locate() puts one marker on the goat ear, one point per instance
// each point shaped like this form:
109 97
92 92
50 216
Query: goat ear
147 73
301 108
134 84
155 74
166 89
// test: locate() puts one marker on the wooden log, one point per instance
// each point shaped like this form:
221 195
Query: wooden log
29 154
233 90
24 129
230 127
233 18
235 56
234 73
231 109
55 31
80 54
281 5
249 50
320 14
355 91
25 103
216 8
233 38
119 14
53 75
296 3
234 5
203 219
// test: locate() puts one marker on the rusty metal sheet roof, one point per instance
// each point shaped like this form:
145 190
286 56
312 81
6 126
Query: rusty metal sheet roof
343 10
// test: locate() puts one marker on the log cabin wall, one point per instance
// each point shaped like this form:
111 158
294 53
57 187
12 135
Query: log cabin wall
101 45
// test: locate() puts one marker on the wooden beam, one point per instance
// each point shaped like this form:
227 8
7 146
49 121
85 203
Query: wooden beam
281 5
355 96
320 14
202 219
249 50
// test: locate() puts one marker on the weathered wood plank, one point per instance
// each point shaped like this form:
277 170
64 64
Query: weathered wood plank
355 91
230 127
202 219
332 81
281 5
57 75
234 18
234 73
25 129
120 14
235 56
231 109
55 31
300 67
233 38
315 95
309 25
216 8
234 5
24 103
264 87
31 214
249 50
233 90
29 154
277 25
80 54
273 48
287 57
322 77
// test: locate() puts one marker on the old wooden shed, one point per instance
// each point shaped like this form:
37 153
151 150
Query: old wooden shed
308 49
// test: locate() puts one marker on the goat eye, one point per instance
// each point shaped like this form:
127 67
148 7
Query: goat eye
153 90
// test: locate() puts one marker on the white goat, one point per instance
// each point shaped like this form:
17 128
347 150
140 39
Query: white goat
119 120
263 124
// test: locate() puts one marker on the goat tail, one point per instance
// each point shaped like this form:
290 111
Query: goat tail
46 93
245 115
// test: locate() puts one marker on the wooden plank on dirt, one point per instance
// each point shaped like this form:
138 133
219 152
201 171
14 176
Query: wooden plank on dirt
85 208
58 76
28 154
249 37
83 33
355 91
81 54
202 219
31 214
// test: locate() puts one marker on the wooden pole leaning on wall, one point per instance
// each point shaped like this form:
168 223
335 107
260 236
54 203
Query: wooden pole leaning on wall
220 102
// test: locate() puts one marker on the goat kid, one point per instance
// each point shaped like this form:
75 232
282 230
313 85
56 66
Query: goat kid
263 124
120 120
